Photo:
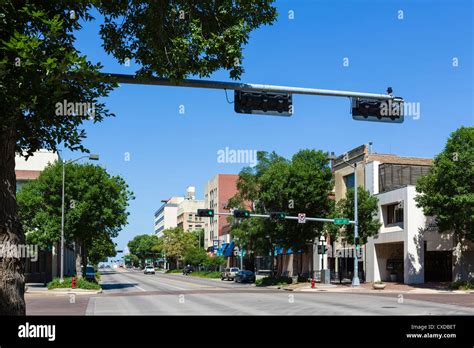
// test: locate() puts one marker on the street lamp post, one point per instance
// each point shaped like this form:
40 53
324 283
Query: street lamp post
355 277
92 158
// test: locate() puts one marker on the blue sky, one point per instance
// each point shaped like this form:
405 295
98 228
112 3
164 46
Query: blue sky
169 151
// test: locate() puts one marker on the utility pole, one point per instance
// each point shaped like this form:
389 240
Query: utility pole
355 278
93 158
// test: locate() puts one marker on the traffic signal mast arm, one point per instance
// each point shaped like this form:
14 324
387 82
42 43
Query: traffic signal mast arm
157 81
286 217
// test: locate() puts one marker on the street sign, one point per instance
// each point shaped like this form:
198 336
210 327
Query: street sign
341 221
301 218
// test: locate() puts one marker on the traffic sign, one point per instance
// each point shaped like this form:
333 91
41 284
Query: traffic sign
301 218
341 221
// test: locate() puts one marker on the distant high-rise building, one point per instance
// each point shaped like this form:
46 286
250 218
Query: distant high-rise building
217 193
167 215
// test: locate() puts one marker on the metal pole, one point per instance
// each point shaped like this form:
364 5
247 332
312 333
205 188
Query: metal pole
132 79
62 225
355 278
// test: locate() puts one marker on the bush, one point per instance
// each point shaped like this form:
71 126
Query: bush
81 283
462 285
303 279
267 281
178 270
205 274
214 262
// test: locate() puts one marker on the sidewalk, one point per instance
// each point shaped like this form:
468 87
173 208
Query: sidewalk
367 288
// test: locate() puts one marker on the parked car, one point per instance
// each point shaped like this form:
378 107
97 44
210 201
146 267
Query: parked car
149 270
188 269
229 273
245 277
89 274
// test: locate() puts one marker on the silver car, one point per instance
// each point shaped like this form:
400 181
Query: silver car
149 270
229 273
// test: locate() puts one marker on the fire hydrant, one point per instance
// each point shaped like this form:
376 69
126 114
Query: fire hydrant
312 283
73 285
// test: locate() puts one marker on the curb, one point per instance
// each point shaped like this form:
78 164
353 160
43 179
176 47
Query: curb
64 291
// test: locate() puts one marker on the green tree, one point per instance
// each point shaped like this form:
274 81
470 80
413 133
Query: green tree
102 248
195 256
176 242
40 67
199 235
302 184
276 184
133 260
447 192
145 246
367 209
214 262
95 209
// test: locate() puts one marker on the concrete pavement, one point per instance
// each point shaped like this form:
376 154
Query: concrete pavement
134 293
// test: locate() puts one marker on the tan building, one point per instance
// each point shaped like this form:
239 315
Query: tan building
408 247
187 217
217 193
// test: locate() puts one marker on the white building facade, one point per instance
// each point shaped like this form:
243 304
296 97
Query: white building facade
408 247
167 215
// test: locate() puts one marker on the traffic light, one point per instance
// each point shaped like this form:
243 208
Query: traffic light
322 249
243 214
377 110
264 103
276 216
205 212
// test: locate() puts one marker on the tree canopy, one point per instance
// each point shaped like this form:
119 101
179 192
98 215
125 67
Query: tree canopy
367 209
95 207
144 246
275 184
41 68
447 191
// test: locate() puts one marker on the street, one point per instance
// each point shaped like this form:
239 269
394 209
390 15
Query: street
134 293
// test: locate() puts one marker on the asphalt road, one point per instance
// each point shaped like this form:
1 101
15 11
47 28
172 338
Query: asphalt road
134 293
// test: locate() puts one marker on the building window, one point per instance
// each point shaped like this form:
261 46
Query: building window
190 217
349 181
394 213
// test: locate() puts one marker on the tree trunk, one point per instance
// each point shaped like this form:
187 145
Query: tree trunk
84 258
78 254
12 278
460 267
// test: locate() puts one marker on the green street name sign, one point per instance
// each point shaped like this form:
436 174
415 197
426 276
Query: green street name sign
341 221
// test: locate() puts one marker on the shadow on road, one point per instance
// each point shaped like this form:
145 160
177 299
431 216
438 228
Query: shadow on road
114 286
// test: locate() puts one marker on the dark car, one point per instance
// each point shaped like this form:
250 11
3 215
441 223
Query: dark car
245 277
89 274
